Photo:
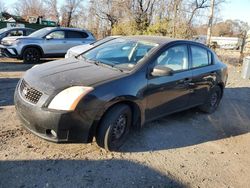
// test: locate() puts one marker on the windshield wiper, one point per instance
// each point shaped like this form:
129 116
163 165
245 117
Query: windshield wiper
100 63
106 64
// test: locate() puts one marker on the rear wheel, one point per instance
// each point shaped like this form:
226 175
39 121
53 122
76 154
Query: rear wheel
31 55
212 101
114 127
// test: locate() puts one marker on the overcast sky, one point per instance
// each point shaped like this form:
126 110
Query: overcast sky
232 9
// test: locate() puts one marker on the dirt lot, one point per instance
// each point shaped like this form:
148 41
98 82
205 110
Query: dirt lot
187 149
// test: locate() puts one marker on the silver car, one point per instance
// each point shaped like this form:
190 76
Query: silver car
77 50
46 42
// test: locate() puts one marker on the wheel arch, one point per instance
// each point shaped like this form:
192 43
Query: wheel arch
32 46
136 109
222 86
134 106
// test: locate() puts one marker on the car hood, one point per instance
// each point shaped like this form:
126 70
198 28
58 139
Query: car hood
10 40
80 49
57 75
20 37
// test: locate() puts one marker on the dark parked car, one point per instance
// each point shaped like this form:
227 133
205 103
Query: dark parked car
15 31
118 85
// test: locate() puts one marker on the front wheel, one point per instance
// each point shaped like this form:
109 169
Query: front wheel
114 127
31 55
212 101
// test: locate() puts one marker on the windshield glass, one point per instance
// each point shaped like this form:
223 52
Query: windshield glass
120 53
41 32
3 30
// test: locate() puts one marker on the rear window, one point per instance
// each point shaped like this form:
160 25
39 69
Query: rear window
75 34
28 32
200 57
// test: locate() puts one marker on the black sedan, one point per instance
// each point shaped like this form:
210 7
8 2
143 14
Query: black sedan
118 85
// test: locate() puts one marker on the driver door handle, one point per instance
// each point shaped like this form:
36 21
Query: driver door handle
185 81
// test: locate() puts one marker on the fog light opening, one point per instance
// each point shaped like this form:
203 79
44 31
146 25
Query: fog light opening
51 133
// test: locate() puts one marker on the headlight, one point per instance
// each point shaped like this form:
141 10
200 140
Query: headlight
67 55
69 98
70 54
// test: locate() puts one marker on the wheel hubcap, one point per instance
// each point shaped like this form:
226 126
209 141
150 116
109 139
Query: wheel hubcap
32 55
119 127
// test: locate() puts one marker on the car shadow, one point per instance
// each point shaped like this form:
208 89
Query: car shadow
192 127
7 90
17 66
14 67
81 173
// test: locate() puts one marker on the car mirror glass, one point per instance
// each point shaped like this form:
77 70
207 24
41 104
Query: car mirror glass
162 71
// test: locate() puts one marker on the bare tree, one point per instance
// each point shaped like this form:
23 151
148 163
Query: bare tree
27 8
196 6
110 11
105 11
143 13
69 10
52 7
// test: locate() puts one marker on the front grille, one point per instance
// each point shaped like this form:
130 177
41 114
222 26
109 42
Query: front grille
29 93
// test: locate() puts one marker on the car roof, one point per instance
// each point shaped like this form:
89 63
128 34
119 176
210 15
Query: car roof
67 28
154 39
25 28
161 40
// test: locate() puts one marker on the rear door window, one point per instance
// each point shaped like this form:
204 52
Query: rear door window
200 57
28 32
75 34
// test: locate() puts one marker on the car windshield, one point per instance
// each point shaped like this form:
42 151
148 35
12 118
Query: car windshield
41 32
120 53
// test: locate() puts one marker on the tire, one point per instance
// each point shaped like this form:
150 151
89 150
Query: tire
114 127
31 55
212 101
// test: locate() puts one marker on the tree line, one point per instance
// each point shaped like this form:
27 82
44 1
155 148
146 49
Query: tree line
173 18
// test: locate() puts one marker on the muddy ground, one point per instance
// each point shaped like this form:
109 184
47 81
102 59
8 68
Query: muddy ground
187 149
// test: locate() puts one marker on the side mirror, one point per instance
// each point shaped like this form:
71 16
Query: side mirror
48 37
162 71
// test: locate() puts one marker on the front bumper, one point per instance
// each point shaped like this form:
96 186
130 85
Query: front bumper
8 51
71 127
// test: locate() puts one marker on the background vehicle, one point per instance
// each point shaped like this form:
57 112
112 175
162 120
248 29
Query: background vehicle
120 84
46 42
16 31
77 50
221 42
